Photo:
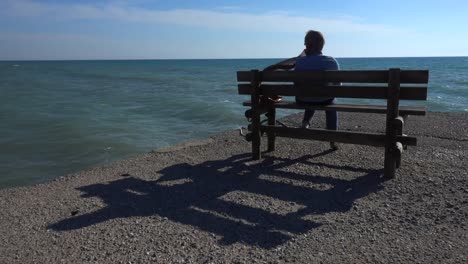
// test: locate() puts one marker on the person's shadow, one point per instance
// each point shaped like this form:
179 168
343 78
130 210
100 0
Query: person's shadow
192 195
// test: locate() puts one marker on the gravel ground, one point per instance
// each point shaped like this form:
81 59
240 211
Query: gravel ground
207 202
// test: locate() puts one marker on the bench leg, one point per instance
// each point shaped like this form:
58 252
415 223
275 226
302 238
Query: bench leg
271 135
389 163
255 99
391 130
256 154
393 150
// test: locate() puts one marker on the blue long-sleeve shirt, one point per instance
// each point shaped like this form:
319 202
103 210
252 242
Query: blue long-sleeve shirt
315 62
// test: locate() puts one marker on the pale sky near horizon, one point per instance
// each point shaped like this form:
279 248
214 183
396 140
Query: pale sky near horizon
178 29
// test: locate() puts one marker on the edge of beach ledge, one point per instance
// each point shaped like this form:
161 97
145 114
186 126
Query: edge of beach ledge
288 119
184 144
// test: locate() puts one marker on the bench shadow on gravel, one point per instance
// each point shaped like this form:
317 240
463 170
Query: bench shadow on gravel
192 195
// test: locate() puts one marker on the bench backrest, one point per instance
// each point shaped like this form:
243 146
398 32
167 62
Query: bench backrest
369 84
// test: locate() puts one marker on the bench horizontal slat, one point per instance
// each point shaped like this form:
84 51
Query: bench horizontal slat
379 109
362 138
350 76
343 91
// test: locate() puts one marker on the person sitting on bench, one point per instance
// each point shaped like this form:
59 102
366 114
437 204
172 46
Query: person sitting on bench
315 60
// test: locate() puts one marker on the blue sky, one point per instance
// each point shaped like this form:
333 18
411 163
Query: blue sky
176 29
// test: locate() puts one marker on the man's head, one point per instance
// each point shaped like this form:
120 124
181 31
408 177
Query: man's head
314 41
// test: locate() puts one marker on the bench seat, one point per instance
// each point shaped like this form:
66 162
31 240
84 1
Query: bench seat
380 109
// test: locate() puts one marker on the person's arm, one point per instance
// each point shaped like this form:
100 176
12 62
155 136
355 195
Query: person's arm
287 64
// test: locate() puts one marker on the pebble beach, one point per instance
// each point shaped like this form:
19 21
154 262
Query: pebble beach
206 201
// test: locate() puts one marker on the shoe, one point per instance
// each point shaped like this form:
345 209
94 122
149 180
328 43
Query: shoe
333 145
275 99
305 125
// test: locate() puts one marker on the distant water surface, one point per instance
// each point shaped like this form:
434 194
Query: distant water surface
59 117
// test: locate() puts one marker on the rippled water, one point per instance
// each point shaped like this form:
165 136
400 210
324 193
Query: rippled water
65 116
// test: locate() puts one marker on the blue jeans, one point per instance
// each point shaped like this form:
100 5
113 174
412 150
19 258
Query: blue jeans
331 116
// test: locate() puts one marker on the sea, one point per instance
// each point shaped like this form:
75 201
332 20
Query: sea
61 117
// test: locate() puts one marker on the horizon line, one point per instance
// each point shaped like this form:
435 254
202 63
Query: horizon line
167 59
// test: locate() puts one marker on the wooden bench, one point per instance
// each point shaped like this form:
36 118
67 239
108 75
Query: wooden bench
392 85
